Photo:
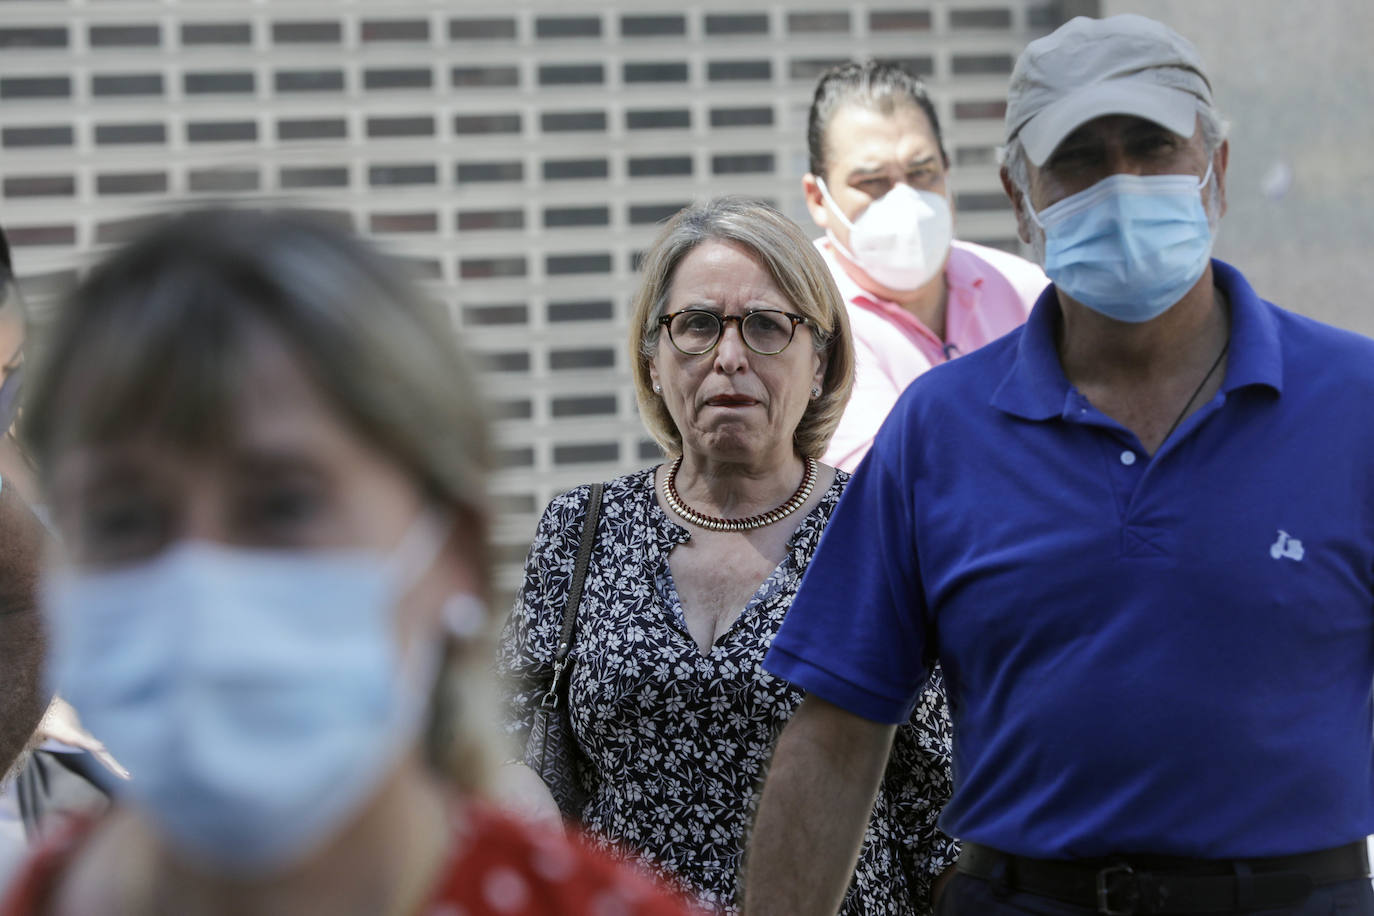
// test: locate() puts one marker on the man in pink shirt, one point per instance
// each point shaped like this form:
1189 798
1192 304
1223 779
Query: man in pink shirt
916 297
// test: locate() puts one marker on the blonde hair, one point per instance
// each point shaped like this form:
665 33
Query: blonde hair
155 337
798 271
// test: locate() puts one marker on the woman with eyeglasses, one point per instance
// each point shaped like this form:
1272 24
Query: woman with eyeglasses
742 364
266 460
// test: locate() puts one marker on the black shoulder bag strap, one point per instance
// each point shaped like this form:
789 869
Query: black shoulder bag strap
584 556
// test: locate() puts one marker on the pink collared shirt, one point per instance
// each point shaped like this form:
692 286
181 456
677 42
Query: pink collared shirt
990 293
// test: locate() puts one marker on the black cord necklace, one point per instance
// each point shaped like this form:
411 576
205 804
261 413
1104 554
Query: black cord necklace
1197 391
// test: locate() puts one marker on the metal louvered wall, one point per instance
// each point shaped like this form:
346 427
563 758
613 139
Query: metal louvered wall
520 154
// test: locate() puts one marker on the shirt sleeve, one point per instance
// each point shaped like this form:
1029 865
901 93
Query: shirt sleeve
856 634
529 640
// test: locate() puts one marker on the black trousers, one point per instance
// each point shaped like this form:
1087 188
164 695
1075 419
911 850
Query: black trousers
969 896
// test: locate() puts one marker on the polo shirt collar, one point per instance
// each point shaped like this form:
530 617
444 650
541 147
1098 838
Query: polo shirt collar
1256 354
964 276
1035 387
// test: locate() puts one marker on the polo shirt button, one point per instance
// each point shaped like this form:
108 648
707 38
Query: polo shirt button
1128 457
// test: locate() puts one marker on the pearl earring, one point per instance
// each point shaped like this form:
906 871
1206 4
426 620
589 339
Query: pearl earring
658 389
815 391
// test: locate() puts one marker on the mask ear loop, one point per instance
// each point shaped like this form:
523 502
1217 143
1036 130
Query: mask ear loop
829 234
1030 211
830 201
429 665
414 556
1206 176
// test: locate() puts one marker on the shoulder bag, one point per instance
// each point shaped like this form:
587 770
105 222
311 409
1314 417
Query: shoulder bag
552 748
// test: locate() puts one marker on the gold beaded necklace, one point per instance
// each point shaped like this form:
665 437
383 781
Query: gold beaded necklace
711 522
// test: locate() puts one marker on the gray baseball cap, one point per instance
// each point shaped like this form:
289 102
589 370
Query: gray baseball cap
1087 68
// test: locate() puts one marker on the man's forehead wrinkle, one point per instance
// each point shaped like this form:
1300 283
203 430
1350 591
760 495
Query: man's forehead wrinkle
873 167
867 167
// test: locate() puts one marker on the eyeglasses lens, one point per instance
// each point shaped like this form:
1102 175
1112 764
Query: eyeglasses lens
766 332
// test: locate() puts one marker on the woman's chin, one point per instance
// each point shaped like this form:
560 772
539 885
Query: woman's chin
733 445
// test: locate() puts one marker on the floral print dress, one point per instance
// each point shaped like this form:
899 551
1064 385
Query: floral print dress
675 742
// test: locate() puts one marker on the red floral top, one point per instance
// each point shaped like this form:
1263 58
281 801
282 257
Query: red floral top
498 866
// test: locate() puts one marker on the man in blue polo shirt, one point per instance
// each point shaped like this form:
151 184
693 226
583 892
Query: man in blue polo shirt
1138 534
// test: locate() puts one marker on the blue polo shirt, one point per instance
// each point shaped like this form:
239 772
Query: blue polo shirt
1168 654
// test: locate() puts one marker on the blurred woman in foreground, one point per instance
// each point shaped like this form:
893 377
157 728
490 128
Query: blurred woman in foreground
266 462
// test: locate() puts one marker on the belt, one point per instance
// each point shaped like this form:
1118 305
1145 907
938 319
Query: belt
1125 886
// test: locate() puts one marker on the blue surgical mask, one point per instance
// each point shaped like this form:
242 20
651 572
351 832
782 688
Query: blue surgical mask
1130 246
257 697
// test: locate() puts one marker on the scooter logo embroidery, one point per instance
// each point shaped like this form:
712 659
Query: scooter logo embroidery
1286 546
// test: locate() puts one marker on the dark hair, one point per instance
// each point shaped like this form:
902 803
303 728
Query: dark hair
6 265
871 84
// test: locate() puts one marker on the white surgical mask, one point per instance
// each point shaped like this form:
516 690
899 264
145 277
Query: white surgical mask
257 696
901 239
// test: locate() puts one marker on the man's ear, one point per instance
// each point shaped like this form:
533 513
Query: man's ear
815 203
1018 203
1220 159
